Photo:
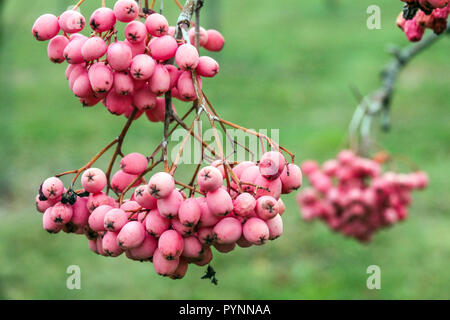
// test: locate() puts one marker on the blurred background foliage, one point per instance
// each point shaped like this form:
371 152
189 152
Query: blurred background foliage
286 64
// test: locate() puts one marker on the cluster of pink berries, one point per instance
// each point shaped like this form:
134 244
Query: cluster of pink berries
131 73
160 223
419 15
354 197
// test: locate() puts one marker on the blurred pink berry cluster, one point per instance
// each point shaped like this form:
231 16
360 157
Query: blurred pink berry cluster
353 196
163 224
133 72
419 15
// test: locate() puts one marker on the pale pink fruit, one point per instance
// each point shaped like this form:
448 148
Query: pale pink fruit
206 235
144 198
189 213
160 81
192 248
71 67
94 48
48 224
126 10
209 179
97 218
155 224
215 40
144 99
131 236
136 47
275 226
142 67
181 228
157 25
82 86
135 32
118 104
75 73
207 219
271 165
203 36
174 74
181 270
168 207
256 231
93 246
134 163
207 67
95 200
100 246
291 178
72 51
224 248
123 83
249 175
205 258
122 180
185 86
61 213
81 213
90 101
93 180
281 207
133 209
52 188
243 243
119 56
219 202
227 231
101 77
269 187
157 114
244 204
163 266
115 219
171 244
102 19
163 48
267 207
187 57
161 185
45 27
238 169
71 21
172 31
146 250
110 246
55 49
42 205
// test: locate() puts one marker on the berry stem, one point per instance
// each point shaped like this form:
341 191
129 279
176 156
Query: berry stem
193 189
78 4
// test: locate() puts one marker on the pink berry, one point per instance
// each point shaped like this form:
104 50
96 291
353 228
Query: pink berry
225 248
174 74
269 187
181 270
228 231
206 235
157 25
142 67
185 86
118 104
281 207
122 180
94 48
207 67
168 207
163 48
215 41
98 199
97 218
271 165
244 205
219 202
207 219
144 99
52 188
102 19
187 57
238 169
61 213
115 219
291 178
72 51
171 244
136 47
205 258
203 36
110 246
146 250
42 205
45 27
243 243
93 246
71 21
156 224
55 49
134 163
249 175
192 248
163 266
275 226
181 228
101 77
189 213
135 32
81 213
160 81
144 198
119 56
266 207
131 235
126 10
209 179
161 185
123 83
48 224
256 231
82 86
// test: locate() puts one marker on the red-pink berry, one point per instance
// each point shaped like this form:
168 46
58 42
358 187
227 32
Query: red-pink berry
121 180
161 185
203 36
94 48
42 205
209 179
271 165
269 187
135 32
215 40
82 86
71 21
163 266
192 248
95 200
142 67
119 56
181 270
48 224
146 250
168 206
102 19
61 213
131 235
174 74
244 204
249 175
275 226
126 10
144 99
123 83
185 86
118 104
81 213
55 49
171 244
207 219
205 258
163 48
256 231
224 248
160 81
291 178
72 51
110 246
157 25
219 202
45 27
101 77
189 213
97 218
156 224
136 47
187 57
115 219
207 67
228 230
134 163
206 235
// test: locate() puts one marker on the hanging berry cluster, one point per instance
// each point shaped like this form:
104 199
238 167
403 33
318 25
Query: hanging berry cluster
419 15
353 196
165 221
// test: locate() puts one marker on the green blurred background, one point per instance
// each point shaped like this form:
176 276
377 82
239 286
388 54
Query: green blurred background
286 64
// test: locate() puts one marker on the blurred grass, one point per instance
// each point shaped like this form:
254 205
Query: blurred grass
287 64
